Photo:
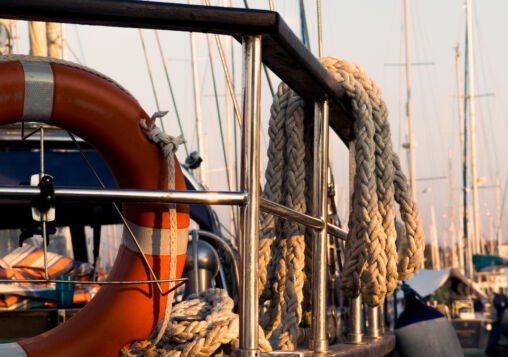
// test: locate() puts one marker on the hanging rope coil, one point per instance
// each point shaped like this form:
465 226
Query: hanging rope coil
372 264
371 257
365 266
283 243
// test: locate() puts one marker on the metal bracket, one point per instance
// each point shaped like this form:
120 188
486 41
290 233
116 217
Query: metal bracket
43 206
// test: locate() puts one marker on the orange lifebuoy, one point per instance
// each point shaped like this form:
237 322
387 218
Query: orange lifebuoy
108 118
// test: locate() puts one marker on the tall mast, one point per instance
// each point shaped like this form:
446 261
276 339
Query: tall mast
53 31
62 42
411 146
38 38
469 97
434 245
498 213
465 257
453 215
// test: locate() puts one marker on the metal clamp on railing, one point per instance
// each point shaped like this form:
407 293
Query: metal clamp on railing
43 205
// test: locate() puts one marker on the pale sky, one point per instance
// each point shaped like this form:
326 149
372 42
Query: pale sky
367 32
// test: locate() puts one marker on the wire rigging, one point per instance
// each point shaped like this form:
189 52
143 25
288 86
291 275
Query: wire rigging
168 80
150 75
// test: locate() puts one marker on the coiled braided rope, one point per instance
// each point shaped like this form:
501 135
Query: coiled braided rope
200 326
372 264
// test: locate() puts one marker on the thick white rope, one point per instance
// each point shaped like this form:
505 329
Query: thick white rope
200 326
283 243
169 145
371 255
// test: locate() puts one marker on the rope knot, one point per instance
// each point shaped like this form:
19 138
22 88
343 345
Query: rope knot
168 143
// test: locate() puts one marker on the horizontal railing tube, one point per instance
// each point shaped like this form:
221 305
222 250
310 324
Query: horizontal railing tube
302 218
27 193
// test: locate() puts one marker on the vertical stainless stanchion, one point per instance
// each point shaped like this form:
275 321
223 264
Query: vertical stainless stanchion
382 318
319 340
197 283
249 213
373 322
44 217
355 334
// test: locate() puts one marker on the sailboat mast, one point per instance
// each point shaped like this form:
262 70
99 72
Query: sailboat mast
453 215
465 258
434 245
498 213
411 146
62 42
38 38
469 97
53 39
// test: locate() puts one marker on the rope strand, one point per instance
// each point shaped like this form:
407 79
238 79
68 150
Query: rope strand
169 145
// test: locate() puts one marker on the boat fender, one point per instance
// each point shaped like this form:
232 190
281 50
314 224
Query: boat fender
102 113
423 331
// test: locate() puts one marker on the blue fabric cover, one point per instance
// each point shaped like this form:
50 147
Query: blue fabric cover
70 170
415 311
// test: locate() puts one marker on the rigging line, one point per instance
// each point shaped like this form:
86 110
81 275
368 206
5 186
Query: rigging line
268 80
402 116
171 90
150 75
226 73
117 209
304 27
80 44
270 85
320 35
481 54
505 188
221 131
486 142
212 70
226 229
228 78
430 75
66 44
235 137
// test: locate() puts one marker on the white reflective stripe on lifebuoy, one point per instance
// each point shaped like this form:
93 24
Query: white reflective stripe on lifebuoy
154 241
11 349
39 88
